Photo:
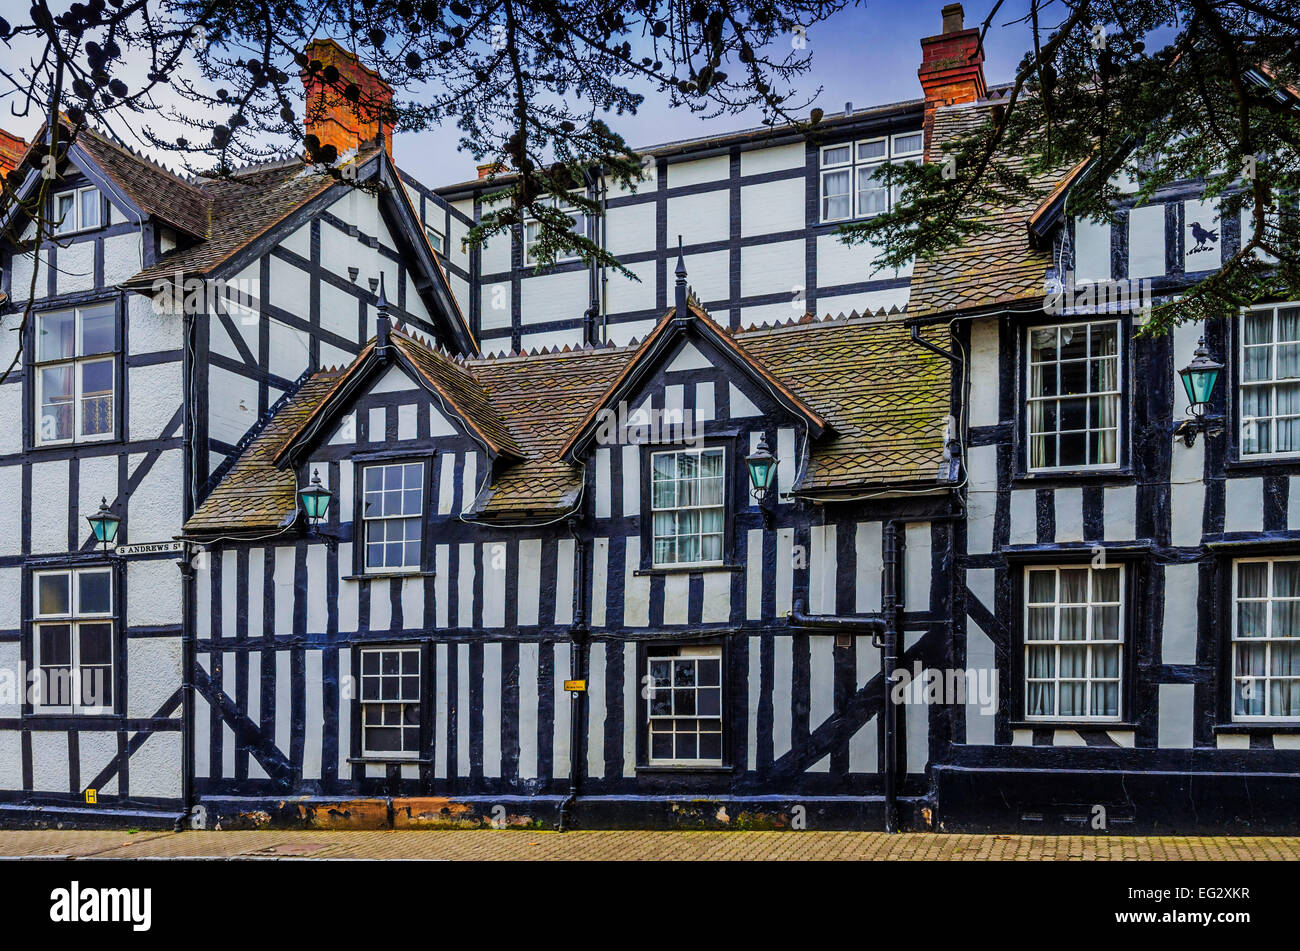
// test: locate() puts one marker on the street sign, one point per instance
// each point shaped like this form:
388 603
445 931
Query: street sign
575 686
149 548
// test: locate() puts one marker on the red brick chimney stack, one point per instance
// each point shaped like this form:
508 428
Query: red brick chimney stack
12 149
335 120
952 67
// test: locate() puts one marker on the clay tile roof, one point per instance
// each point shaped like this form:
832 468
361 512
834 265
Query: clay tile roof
463 390
244 206
884 398
997 267
155 190
255 494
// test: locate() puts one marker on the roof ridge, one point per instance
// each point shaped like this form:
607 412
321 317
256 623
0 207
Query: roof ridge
141 157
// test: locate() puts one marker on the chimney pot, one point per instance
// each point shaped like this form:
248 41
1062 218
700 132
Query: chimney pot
953 18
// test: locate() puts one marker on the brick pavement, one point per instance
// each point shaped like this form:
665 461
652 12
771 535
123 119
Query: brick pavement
640 845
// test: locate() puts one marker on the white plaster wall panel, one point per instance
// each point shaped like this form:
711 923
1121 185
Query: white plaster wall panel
630 228
460 291
1091 250
1177 705
289 350
494 306
11 759
95 750
11 410
698 219
771 268
232 404
291 287
839 263
456 250
552 339
8 342
154 508
548 297
21 279
1201 217
156 766
150 331
981 498
495 255
121 257
1146 241
1069 514
1243 505
866 303
76 270
622 294
1119 505
96 481
1024 517
11 495
698 171
984 373
154 672
772 206
774 159
332 356
767 314
338 310
1178 634
50 761
10 579
394 380
154 592
156 394
222 341
707 274
1187 511
621 334
299 242
918 560
50 519
12 682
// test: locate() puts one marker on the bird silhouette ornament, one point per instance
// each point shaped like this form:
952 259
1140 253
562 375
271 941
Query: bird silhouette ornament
1205 238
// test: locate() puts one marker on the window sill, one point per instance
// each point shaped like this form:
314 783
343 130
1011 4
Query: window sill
401 760
74 443
1259 726
1071 477
1269 462
1072 725
694 770
685 570
381 575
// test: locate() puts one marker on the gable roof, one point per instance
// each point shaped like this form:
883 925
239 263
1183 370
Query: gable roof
883 401
460 392
657 345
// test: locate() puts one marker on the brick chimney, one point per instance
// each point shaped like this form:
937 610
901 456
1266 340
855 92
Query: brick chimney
12 149
952 67
332 118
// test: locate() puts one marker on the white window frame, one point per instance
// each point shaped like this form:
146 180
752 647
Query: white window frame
722 450
892 156
1087 643
369 520
1117 393
377 706
78 222
1242 386
437 240
696 653
581 220
74 618
1268 640
76 361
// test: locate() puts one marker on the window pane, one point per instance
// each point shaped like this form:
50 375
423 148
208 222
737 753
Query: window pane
89 207
96 397
53 594
65 213
55 644
912 142
836 156
97 330
93 592
55 336
869 151
95 643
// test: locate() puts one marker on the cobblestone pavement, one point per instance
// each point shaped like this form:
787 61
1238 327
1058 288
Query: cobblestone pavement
526 845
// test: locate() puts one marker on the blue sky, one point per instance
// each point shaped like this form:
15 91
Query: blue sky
867 55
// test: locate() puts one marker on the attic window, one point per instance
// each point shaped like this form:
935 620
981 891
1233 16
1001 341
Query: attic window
687 495
436 239
76 210
392 511
850 186
533 230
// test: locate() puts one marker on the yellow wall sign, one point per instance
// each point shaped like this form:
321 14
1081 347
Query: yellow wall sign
92 797
576 686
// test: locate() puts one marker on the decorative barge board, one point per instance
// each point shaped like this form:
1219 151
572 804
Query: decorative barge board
1112 575
529 540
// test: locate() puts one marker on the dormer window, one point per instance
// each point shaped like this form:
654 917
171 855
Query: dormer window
687 496
76 210
392 511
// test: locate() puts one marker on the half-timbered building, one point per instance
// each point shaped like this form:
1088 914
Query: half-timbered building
995 580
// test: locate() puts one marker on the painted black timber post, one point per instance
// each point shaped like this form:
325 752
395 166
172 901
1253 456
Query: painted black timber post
891 606
579 636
